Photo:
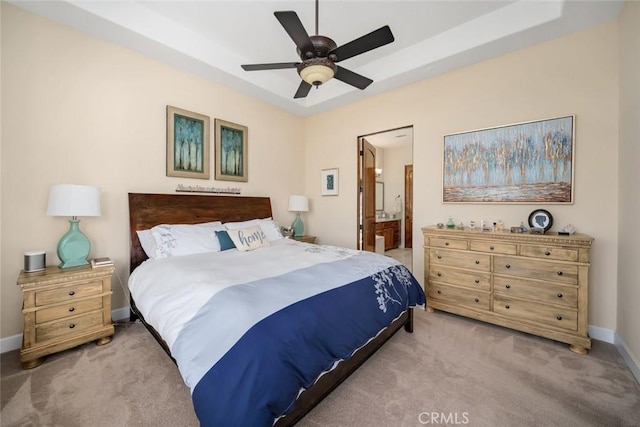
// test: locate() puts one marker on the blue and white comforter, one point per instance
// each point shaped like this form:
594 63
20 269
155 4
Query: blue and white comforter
251 330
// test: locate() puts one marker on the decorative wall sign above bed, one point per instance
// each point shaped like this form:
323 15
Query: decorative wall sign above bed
528 162
187 144
231 152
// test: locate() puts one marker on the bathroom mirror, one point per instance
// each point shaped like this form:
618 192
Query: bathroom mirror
379 196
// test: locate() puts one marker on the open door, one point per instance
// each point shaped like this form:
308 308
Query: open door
366 196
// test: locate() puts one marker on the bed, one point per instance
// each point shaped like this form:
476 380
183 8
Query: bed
221 334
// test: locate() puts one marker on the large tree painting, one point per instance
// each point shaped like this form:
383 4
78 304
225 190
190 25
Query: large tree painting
231 151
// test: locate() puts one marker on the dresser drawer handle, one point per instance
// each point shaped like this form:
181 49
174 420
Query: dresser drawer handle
559 295
72 309
72 293
558 317
477 281
439 274
477 262
446 243
477 300
439 292
559 273
72 325
439 257
507 306
508 266
507 286
491 247
547 253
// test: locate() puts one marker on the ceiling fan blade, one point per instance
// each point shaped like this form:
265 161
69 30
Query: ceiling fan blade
273 66
373 40
354 79
303 90
296 31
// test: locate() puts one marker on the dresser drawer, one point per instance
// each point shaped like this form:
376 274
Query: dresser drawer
70 326
564 318
476 280
560 254
555 272
71 309
68 293
539 291
493 247
459 296
468 260
444 242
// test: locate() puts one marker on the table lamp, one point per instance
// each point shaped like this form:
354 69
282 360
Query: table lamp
298 204
74 201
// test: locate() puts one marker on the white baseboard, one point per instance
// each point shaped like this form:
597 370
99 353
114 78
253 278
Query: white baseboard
602 334
14 342
632 362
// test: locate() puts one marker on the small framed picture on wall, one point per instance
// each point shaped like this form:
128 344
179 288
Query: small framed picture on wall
329 182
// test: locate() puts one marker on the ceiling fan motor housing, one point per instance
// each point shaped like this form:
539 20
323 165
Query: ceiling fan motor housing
323 45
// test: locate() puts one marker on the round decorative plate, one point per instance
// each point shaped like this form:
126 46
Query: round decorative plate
541 218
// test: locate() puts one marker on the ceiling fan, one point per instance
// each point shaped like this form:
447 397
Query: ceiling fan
319 54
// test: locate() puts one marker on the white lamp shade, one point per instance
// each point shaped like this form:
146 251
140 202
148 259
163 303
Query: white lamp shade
316 74
298 204
74 200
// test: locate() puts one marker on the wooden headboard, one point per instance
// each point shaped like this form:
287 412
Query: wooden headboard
148 210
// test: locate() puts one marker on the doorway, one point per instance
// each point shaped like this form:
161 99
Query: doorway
385 165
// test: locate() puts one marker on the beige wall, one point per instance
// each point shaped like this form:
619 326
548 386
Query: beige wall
79 110
576 74
629 208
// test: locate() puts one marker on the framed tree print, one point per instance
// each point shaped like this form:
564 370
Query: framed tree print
187 144
231 151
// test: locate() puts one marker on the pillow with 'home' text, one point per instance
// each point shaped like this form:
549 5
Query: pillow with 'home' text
249 238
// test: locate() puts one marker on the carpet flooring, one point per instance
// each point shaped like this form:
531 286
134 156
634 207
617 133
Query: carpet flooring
450 371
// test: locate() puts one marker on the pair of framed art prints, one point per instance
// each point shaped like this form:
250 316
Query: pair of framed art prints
188 148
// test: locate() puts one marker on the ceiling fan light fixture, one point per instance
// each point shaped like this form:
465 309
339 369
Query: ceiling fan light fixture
317 71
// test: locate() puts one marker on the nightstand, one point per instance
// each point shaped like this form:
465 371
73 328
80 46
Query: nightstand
64 308
306 239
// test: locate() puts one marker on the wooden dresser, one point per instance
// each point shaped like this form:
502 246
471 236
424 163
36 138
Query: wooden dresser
390 230
63 308
537 284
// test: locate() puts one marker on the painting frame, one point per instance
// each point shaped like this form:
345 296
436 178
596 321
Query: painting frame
188 144
229 134
523 163
330 182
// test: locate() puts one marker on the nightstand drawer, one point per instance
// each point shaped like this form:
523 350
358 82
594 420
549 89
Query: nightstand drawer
70 326
71 309
68 293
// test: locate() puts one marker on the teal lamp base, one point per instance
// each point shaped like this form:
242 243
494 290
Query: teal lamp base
298 226
73 247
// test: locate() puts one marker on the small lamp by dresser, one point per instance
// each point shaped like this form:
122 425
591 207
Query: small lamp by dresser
74 201
298 204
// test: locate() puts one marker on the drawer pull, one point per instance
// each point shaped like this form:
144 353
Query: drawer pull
491 247
507 286
72 325
559 295
559 273
547 253
439 292
477 300
72 293
507 306
508 266
477 262
477 281
72 309
439 257
558 317
446 243
439 274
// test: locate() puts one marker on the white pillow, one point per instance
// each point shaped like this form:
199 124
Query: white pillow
249 238
148 243
269 226
185 239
